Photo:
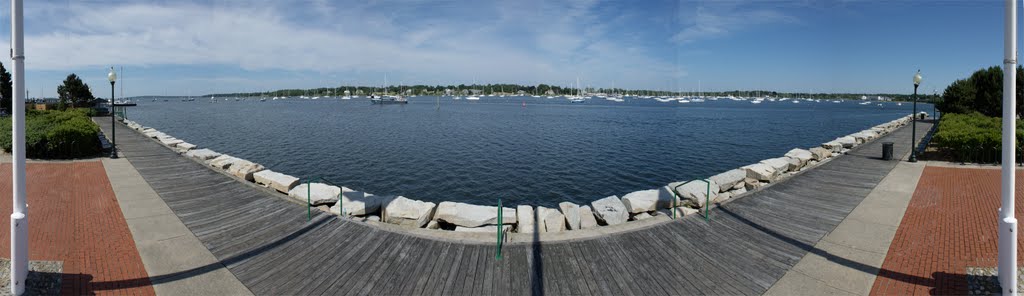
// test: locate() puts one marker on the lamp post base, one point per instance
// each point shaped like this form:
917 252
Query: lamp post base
1007 257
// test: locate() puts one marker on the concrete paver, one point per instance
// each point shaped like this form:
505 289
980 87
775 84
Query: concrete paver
74 217
847 260
178 264
949 225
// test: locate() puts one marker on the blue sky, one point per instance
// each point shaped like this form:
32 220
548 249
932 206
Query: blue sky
183 47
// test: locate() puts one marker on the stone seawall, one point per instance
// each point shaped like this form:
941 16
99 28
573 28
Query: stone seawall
676 199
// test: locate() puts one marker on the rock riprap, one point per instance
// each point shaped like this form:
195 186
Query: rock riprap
467 215
572 214
278 181
647 200
673 199
610 210
408 212
202 154
552 220
318 193
525 218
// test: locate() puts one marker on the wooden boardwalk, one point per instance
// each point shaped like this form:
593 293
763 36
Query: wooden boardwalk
747 245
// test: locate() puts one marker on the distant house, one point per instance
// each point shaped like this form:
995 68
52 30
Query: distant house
549 92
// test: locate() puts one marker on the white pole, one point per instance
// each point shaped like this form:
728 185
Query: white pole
19 219
1007 220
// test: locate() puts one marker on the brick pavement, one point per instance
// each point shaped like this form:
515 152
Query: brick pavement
950 224
74 217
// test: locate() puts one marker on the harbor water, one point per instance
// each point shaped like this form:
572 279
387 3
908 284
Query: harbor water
523 150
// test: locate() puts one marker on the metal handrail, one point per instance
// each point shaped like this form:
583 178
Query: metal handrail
707 198
309 208
497 255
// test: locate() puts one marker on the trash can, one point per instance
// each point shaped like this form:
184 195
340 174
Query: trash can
886 150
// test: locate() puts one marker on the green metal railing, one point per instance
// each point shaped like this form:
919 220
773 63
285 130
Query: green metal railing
309 189
707 198
497 253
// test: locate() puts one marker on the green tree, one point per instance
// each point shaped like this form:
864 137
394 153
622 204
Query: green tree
75 92
982 92
988 91
5 89
958 97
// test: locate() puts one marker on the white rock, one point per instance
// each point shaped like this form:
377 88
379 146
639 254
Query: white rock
572 214
358 203
244 169
373 218
170 141
468 215
794 163
729 179
779 164
184 147
800 154
610 210
587 219
737 192
820 153
433 225
695 193
319 193
493 229
222 162
847 141
680 212
647 200
641 216
552 220
525 218
761 172
202 154
278 181
833 146
407 212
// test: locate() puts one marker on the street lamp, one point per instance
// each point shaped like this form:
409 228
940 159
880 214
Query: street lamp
913 128
112 76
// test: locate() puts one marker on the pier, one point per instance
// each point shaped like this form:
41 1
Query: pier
745 247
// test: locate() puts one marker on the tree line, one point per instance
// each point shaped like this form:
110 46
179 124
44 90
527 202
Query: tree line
982 92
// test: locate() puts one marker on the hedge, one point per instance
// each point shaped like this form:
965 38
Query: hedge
55 134
973 137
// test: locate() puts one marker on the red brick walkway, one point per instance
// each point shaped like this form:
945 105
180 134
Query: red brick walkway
949 225
74 217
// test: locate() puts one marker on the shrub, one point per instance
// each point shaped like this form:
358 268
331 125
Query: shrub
973 137
55 134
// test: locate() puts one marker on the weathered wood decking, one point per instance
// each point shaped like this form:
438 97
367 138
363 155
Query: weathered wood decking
747 245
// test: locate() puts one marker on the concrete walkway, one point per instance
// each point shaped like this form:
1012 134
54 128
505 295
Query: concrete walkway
847 260
177 263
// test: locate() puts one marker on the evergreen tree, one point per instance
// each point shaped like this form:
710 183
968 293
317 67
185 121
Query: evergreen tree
74 92
5 89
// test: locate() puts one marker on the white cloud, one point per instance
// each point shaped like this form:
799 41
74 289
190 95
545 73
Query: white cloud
709 23
555 41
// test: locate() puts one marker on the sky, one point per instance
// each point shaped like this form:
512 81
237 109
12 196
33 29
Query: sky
200 47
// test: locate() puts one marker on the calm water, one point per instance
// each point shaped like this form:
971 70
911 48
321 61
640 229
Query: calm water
546 152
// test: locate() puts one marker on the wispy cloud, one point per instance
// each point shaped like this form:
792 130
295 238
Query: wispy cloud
418 42
714 23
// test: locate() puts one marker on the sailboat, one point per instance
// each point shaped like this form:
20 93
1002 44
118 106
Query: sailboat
386 99
578 98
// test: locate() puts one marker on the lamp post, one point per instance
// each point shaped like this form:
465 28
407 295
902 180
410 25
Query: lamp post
19 215
1007 217
112 76
913 128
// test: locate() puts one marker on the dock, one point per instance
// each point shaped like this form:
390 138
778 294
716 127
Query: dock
745 247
